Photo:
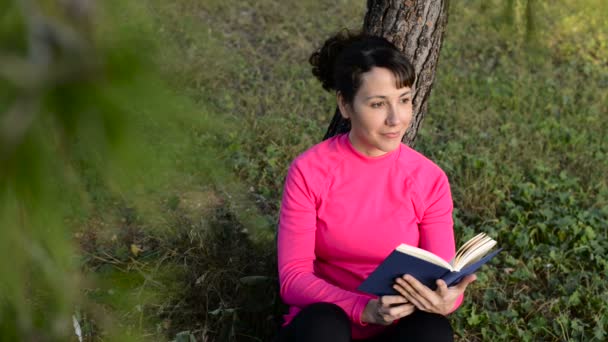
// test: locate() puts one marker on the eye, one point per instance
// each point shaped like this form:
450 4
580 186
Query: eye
405 100
376 104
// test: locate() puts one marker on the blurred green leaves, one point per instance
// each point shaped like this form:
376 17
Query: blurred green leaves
88 128
65 103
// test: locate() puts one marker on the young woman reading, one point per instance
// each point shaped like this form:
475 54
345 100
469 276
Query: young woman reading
351 199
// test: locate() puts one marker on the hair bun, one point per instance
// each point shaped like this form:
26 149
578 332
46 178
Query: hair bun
323 59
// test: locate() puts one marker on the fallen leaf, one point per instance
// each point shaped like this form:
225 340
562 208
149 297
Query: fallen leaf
135 249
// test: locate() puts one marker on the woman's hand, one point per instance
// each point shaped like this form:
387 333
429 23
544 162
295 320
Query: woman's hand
386 309
440 301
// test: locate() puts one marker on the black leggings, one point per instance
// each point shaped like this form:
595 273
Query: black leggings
328 322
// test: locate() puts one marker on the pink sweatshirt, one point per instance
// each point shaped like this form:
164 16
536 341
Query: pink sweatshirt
343 212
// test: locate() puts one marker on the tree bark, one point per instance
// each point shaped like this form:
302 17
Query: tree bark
416 27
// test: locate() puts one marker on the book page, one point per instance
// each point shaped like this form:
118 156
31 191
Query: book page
465 248
424 255
475 252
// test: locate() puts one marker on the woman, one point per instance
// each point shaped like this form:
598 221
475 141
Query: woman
350 200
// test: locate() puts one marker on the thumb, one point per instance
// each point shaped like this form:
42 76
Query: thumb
466 281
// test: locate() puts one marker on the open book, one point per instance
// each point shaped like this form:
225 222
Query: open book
428 267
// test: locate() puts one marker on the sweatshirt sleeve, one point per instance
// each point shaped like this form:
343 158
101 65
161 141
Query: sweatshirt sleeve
299 285
437 225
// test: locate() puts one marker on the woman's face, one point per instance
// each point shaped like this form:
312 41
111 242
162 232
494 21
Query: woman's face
380 113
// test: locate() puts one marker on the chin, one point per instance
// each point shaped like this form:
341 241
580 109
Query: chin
389 147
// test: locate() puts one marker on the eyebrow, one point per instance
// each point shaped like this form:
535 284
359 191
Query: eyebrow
384 97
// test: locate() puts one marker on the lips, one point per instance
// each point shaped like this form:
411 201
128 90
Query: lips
391 134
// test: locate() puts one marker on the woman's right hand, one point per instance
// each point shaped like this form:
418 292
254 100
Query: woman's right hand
386 309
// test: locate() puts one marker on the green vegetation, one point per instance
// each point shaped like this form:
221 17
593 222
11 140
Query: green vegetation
161 226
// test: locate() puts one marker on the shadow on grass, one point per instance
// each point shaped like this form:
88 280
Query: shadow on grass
202 278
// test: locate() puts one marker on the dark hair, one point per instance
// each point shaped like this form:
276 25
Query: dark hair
343 58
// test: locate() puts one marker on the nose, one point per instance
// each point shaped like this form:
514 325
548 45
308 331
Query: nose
392 118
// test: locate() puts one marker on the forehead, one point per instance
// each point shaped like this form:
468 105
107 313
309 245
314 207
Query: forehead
379 82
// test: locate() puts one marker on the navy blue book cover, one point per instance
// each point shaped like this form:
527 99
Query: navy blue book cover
380 282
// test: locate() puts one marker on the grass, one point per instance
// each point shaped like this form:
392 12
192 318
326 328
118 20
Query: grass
516 119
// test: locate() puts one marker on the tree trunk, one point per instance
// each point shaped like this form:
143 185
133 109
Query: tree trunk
416 27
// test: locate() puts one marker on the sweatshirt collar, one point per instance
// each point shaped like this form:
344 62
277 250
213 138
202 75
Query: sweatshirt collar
354 153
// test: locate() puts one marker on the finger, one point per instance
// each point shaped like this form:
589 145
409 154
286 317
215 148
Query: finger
411 297
418 286
394 312
383 319
401 310
442 287
395 309
465 282
401 291
422 294
392 300
408 310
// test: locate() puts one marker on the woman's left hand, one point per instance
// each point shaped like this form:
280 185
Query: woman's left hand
440 301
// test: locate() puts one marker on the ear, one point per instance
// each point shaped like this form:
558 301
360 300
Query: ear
343 105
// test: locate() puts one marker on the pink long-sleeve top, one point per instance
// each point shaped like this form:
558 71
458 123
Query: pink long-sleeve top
342 213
